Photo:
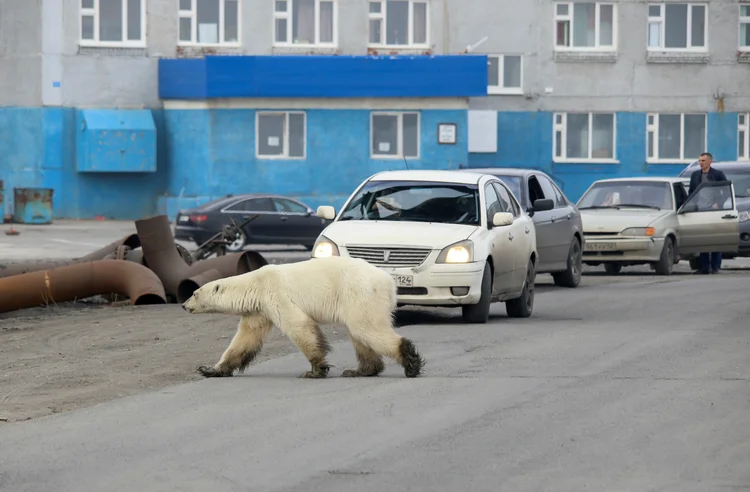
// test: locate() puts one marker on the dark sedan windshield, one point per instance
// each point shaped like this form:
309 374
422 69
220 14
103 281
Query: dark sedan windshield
513 182
741 183
415 201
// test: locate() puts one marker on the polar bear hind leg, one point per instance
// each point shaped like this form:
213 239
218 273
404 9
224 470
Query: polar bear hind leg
245 346
374 338
305 333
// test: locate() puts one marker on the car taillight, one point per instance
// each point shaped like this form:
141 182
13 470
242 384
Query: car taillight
197 219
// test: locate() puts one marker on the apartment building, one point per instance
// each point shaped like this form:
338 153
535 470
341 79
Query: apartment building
314 95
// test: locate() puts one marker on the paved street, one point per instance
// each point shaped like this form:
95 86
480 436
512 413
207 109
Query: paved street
637 383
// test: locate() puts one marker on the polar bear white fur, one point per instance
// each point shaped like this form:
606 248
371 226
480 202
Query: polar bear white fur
296 297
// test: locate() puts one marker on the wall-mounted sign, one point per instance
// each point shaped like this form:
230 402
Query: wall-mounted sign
447 133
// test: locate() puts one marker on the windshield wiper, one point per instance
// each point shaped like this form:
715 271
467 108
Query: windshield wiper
599 206
637 205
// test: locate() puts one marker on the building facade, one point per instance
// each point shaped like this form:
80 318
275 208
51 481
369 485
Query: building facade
126 108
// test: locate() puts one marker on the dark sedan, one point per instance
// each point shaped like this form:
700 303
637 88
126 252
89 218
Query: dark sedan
738 172
281 220
559 231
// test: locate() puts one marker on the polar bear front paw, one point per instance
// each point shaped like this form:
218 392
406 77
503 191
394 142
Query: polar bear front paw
211 372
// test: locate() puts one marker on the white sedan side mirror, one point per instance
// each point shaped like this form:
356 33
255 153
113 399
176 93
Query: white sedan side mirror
326 212
501 219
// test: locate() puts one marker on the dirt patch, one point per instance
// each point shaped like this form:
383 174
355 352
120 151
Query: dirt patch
61 358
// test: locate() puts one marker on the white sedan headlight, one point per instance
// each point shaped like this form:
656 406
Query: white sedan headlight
460 252
324 248
744 216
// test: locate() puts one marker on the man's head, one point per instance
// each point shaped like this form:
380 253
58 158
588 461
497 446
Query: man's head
705 161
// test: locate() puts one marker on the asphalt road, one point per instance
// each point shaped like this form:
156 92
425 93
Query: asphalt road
640 383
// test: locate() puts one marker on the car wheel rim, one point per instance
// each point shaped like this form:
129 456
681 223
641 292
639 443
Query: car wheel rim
530 287
237 244
575 259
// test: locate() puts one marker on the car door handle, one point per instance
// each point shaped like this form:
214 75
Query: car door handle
510 236
527 230
729 216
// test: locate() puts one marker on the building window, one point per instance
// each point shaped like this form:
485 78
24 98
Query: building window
677 26
210 22
305 23
584 137
585 26
394 135
744 27
399 23
116 23
280 135
504 74
743 147
675 137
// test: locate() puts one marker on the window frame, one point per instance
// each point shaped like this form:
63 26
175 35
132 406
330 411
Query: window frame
400 135
288 15
125 43
654 128
562 127
382 16
193 16
743 19
499 89
661 19
285 155
597 28
743 125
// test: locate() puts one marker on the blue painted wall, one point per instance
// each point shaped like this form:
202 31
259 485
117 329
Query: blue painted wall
38 149
525 140
203 154
323 76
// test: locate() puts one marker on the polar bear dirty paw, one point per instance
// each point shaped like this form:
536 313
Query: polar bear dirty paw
212 372
317 372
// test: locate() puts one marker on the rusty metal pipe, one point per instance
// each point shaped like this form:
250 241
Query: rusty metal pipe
159 249
19 268
186 288
67 283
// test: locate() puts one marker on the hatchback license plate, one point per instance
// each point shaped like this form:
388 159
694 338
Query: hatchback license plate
599 246
403 280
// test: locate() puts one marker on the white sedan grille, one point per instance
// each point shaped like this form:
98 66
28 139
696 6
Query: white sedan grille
390 257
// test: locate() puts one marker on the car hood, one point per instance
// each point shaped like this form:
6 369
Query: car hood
374 232
613 220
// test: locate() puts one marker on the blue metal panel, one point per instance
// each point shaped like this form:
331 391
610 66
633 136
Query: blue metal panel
32 205
111 140
324 76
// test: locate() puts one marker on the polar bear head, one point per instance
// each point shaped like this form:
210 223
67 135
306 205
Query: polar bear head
219 296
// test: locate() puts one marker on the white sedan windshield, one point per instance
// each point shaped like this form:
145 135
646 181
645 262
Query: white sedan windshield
415 201
616 194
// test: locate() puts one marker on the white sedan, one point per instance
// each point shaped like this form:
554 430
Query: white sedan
633 221
448 238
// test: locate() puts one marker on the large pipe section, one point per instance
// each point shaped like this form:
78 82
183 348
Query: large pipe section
10 269
159 248
186 288
79 281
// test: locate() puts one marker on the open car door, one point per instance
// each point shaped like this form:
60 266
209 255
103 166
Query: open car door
708 220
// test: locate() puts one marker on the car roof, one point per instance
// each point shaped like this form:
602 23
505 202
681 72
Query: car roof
658 179
719 165
507 171
222 202
439 176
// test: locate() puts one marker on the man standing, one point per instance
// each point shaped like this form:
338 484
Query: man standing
709 262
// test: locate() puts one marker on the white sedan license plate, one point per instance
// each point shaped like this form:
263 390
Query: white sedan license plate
403 280
600 246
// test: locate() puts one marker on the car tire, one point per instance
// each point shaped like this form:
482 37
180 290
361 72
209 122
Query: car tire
666 260
522 307
572 276
480 312
612 268
238 245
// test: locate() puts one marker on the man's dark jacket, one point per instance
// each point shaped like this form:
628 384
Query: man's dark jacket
713 175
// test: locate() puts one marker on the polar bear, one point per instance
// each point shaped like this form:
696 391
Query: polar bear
298 296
